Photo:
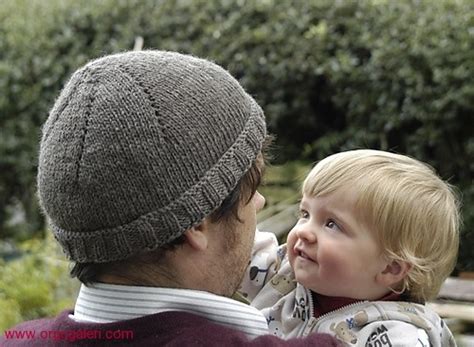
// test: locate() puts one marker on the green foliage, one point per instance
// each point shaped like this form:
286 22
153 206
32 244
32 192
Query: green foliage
35 285
330 75
10 313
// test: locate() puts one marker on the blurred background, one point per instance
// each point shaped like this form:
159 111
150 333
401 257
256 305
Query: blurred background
330 75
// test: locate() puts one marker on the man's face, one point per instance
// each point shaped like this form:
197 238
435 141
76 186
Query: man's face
232 256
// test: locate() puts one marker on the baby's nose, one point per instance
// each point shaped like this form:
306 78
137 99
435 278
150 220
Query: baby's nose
306 233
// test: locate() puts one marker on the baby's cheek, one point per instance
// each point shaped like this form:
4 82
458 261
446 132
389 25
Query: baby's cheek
291 237
290 242
331 265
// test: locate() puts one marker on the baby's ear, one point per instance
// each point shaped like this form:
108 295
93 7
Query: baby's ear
393 273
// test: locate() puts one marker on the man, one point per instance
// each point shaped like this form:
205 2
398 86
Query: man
148 169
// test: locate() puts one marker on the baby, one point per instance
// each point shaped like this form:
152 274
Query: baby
376 237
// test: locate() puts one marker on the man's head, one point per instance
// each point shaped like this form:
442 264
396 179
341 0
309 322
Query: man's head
139 148
412 213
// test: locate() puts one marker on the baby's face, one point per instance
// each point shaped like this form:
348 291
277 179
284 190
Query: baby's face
332 252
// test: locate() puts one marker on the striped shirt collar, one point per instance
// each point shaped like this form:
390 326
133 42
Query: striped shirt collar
105 303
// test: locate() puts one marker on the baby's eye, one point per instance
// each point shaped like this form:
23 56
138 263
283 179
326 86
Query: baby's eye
303 214
332 225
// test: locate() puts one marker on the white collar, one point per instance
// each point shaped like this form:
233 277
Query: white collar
105 303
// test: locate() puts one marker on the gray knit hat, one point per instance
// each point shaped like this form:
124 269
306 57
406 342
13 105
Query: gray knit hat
141 146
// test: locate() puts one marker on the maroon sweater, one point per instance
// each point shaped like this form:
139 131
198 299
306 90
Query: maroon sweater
160 329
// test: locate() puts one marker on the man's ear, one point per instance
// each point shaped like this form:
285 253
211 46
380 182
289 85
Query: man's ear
393 273
197 236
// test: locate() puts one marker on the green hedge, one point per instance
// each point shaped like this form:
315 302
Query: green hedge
36 284
331 75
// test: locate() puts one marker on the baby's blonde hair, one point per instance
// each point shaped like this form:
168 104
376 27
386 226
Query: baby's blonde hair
413 213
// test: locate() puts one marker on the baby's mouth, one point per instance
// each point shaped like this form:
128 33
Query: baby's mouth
303 255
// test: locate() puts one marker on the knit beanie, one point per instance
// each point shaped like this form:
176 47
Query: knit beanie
138 148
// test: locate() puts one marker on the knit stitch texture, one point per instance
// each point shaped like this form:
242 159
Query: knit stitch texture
139 147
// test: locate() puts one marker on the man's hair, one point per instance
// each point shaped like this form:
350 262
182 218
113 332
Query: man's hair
413 213
227 212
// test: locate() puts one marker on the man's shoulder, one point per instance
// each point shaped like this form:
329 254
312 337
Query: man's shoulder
166 328
33 332
192 330
171 328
